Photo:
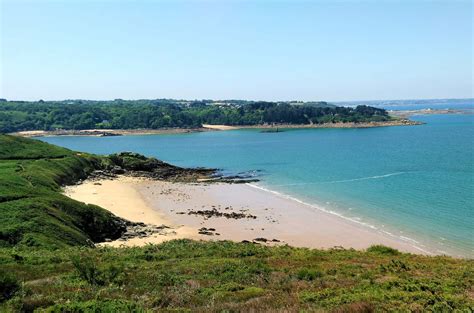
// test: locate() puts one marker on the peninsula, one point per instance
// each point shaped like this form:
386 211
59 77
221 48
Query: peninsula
119 117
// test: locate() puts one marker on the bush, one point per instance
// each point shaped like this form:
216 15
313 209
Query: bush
97 307
88 270
308 274
383 250
9 285
356 307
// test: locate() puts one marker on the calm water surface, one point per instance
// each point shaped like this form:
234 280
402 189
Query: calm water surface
414 182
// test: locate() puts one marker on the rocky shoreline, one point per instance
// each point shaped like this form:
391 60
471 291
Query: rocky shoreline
142 230
405 114
395 122
400 121
106 132
137 165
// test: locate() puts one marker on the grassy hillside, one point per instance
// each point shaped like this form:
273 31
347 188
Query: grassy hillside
34 213
223 276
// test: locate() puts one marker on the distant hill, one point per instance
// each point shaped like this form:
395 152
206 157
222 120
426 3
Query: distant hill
166 113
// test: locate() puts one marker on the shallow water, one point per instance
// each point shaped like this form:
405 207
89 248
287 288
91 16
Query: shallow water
414 182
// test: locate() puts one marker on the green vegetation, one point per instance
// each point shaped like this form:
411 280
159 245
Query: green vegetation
34 212
48 264
225 276
154 114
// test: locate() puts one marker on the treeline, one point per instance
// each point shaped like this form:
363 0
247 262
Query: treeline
154 114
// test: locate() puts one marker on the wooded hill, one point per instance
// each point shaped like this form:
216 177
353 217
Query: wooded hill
155 114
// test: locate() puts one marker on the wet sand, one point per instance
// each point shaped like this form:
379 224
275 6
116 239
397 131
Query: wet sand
244 212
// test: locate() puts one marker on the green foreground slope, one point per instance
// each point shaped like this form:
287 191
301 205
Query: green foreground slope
47 262
33 211
185 275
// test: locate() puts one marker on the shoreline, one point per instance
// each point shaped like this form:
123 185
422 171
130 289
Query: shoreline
121 197
401 122
405 114
401 118
229 212
108 132
204 128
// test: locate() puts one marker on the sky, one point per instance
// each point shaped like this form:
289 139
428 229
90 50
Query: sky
254 50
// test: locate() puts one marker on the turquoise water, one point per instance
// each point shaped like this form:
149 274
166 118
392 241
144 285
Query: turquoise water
413 182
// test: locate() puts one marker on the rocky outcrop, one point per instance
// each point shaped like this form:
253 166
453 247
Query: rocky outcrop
215 213
134 164
142 230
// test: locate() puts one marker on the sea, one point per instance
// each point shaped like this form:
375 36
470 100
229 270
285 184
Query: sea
415 183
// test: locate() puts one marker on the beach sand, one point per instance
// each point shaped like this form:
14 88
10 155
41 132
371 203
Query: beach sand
219 127
122 197
278 219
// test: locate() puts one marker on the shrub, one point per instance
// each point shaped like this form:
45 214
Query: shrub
97 307
9 285
356 307
308 274
168 279
89 271
395 266
380 249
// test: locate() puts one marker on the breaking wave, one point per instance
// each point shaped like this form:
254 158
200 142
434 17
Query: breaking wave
346 180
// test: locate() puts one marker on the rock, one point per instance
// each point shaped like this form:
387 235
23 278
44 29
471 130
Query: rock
215 213
141 230
117 170
208 233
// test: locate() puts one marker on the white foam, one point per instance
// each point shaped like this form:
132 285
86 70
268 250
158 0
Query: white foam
346 180
408 239
356 220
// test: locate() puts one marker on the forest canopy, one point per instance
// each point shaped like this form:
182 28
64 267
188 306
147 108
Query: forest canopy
165 113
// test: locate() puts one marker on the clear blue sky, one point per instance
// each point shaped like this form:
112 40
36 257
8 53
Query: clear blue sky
261 50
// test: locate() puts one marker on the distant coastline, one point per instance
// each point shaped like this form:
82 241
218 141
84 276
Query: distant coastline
395 122
400 118
204 128
106 132
404 114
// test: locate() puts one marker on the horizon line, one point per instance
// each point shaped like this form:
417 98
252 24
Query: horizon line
229 99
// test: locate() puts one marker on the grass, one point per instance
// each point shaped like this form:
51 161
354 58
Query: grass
34 212
225 276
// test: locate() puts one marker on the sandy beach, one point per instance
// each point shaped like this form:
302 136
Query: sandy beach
122 197
227 212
